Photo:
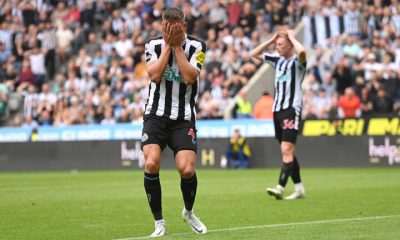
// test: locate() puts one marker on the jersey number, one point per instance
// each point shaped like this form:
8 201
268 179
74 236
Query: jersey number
288 124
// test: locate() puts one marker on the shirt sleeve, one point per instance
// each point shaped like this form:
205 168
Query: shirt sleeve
270 59
150 52
198 57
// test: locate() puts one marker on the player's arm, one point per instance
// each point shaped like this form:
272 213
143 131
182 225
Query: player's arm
156 66
188 72
186 69
257 53
298 47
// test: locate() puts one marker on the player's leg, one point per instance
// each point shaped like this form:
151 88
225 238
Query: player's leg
185 160
152 154
277 191
287 150
184 144
299 191
185 163
291 136
152 145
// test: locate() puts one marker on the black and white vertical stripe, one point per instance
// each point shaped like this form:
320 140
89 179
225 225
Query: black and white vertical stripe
318 28
352 22
49 39
289 73
172 99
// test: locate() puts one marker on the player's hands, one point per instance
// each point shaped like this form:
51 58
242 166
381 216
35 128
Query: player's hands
290 33
178 34
275 37
166 33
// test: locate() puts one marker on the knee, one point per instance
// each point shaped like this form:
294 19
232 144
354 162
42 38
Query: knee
186 171
287 151
152 165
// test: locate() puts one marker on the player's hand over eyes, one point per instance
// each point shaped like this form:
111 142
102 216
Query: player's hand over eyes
177 34
166 33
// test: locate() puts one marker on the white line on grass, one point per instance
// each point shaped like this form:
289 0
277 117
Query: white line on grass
277 225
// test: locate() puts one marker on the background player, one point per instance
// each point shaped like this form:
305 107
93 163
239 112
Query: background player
289 73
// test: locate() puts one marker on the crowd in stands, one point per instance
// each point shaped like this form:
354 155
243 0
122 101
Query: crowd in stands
82 61
357 73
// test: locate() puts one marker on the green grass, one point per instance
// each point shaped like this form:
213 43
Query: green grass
112 205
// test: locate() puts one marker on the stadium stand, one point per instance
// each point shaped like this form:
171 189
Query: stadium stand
82 61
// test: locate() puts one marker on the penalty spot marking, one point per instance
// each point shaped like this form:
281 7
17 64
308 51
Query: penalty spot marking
340 220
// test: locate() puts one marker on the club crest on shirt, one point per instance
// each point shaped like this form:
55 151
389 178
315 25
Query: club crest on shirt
281 76
172 74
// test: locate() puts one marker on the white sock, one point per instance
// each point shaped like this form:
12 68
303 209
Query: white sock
280 187
187 211
161 221
299 187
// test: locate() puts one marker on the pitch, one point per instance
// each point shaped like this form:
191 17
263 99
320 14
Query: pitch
355 203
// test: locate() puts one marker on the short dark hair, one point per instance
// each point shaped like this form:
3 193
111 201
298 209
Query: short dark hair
173 14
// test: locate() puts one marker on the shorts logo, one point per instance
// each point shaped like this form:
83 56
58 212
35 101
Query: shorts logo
193 135
145 137
288 124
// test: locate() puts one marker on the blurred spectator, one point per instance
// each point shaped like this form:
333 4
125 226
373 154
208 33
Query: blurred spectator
30 122
243 108
26 77
223 103
322 105
366 103
93 45
382 104
349 105
208 107
342 75
84 50
238 153
247 19
37 63
64 42
108 118
218 15
3 100
123 45
371 65
263 107
4 53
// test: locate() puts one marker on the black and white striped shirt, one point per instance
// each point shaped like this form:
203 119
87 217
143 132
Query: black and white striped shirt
352 21
289 74
171 97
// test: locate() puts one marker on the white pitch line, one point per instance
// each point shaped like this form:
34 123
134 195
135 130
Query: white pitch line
277 225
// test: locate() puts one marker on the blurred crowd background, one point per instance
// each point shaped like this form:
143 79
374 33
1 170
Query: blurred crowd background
82 61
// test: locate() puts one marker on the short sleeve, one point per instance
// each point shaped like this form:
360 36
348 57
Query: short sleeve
271 59
199 55
150 52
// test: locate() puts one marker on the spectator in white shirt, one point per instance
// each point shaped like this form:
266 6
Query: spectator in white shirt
108 117
123 45
371 65
37 62
64 41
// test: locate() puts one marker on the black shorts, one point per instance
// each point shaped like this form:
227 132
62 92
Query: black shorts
178 135
286 125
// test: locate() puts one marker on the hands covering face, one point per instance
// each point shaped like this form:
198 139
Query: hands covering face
173 33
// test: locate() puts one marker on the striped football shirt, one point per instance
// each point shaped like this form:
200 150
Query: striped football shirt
289 73
172 98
